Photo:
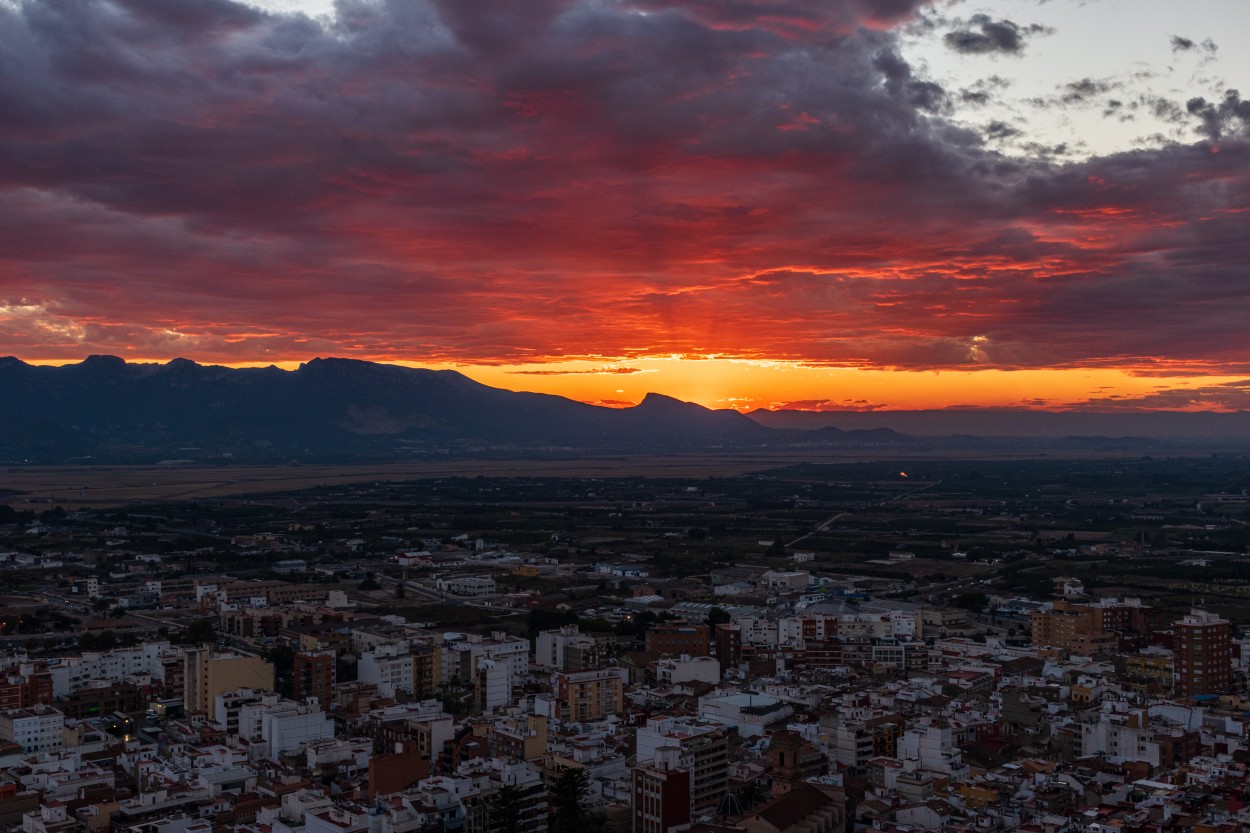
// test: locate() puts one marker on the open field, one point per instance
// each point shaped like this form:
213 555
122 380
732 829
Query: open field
40 487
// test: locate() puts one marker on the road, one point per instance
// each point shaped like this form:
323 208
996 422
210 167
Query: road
823 526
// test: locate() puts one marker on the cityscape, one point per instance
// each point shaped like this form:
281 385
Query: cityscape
1038 645
624 416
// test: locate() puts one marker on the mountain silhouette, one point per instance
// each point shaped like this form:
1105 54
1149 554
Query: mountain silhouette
104 408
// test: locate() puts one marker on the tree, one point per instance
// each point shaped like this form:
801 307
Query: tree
283 659
718 616
545 620
199 632
638 626
974 601
370 583
503 809
569 813
399 590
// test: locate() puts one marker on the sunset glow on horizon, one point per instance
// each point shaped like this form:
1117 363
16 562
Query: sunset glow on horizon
808 204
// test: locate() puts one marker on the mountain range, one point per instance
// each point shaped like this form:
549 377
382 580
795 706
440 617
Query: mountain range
106 410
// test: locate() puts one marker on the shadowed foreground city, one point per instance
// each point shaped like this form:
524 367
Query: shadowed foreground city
887 645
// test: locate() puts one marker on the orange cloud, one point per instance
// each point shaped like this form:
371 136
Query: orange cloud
603 185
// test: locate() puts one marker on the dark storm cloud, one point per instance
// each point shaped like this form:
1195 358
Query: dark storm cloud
1000 130
1164 109
1219 119
506 182
982 35
1180 44
1082 91
919 94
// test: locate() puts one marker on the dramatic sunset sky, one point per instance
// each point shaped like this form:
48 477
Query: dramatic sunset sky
746 203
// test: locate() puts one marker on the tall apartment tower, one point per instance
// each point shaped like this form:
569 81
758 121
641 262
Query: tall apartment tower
1203 654
703 746
209 673
662 792
589 695
313 675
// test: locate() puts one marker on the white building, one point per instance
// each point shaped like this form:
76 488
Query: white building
461 652
551 647
1119 740
932 747
70 674
688 669
468 586
492 684
786 580
389 667
36 728
750 714
290 726
283 726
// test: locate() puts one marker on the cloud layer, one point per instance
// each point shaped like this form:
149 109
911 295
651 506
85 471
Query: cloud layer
499 181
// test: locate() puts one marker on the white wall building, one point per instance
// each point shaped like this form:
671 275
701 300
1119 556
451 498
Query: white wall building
467 586
389 667
786 580
688 669
932 747
283 726
492 684
750 714
69 674
462 651
35 728
550 648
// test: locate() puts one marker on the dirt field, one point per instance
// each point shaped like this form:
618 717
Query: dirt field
104 486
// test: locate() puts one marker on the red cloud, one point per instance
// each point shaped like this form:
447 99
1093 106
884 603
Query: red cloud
464 182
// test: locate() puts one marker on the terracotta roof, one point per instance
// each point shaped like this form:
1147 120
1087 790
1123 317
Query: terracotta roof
792 807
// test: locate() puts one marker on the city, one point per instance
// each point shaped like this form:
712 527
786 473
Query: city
624 416
1045 645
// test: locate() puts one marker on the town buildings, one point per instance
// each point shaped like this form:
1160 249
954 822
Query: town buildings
1203 650
816 703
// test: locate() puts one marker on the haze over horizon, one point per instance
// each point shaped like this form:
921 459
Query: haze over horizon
813 204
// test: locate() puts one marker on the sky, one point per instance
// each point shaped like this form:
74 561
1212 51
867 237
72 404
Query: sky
818 204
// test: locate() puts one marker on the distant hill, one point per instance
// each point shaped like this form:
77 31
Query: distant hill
106 410
327 409
1164 426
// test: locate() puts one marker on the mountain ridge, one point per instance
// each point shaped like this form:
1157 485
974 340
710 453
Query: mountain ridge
327 408
107 410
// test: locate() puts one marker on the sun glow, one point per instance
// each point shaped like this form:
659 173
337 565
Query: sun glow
741 384
747 384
